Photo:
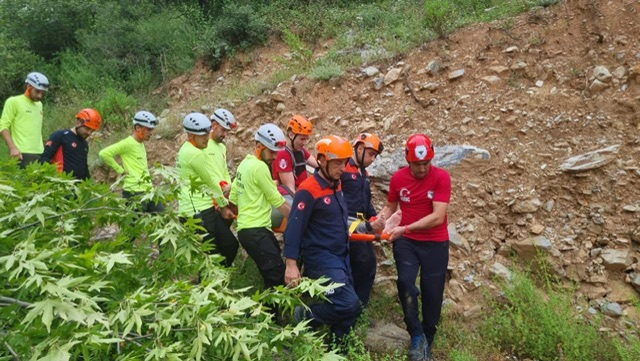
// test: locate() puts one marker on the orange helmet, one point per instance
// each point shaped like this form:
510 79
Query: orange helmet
90 117
300 125
334 147
419 148
370 141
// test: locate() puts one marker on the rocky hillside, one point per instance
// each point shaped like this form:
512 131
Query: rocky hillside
550 101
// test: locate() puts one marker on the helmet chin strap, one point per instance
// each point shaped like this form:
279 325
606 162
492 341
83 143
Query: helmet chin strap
293 140
325 173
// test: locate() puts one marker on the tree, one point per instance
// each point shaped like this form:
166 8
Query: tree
86 277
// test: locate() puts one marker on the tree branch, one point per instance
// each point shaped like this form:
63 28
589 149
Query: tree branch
81 210
16 357
15 301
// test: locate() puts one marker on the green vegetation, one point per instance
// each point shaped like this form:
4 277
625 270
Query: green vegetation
534 322
71 290
68 293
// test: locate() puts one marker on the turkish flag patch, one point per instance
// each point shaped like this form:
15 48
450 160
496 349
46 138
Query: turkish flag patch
327 200
301 206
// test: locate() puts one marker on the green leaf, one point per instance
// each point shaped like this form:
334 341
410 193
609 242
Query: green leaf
113 258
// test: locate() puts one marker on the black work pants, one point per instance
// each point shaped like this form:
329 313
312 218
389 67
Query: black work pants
145 206
219 233
263 247
431 259
363 269
28 158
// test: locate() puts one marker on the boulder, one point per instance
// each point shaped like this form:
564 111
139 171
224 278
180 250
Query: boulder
457 240
616 260
592 291
386 337
499 270
491 79
602 74
526 206
456 74
622 292
392 76
446 156
612 309
528 248
370 71
591 160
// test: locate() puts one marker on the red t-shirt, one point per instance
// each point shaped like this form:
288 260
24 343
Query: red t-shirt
285 163
416 196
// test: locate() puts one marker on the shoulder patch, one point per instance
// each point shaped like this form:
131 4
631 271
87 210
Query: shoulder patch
301 206
283 163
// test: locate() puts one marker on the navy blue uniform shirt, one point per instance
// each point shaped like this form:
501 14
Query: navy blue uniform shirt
356 188
69 151
318 231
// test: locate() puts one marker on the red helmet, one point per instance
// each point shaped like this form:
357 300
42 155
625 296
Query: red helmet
90 118
370 141
334 147
418 148
300 125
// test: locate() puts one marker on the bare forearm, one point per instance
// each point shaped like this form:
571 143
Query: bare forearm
6 134
430 221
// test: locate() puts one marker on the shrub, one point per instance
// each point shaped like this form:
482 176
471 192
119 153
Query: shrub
240 27
117 108
439 17
17 62
327 71
138 46
45 27
72 290
300 53
543 325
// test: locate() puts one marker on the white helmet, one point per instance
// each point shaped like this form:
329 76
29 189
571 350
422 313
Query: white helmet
197 123
224 118
271 136
146 119
38 81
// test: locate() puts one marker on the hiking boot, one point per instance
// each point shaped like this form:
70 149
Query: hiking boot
428 356
419 350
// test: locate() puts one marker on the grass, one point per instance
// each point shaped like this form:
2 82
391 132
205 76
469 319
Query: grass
534 317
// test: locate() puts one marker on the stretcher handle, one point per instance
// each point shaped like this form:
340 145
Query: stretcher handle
366 237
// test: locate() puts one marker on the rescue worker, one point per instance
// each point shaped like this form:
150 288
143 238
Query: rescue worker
222 123
318 235
69 149
21 121
356 188
420 241
255 193
133 155
193 163
290 167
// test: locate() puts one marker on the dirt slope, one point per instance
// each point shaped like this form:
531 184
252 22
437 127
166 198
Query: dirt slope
530 97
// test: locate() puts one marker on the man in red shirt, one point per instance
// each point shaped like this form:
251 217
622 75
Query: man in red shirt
290 167
421 241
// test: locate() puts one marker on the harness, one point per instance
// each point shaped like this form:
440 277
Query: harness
299 161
